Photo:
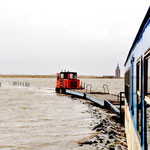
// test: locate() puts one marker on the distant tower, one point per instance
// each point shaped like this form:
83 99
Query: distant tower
117 71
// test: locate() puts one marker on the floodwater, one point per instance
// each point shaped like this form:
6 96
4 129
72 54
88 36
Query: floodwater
36 118
115 86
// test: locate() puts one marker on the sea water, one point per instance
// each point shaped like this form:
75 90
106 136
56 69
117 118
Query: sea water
36 118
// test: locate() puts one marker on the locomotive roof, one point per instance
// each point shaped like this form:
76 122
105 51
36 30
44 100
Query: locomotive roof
69 72
144 24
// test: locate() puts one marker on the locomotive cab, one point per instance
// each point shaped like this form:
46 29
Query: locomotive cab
67 80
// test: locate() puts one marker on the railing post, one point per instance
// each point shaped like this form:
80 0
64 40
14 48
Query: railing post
81 84
105 85
84 85
88 86
121 102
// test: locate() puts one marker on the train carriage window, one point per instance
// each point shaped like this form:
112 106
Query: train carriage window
127 86
139 78
148 77
139 104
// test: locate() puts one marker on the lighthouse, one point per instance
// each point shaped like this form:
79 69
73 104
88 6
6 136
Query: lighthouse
117 71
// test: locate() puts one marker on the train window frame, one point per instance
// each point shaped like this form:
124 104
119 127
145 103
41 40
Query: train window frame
146 57
127 86
138 91
146 98
137 80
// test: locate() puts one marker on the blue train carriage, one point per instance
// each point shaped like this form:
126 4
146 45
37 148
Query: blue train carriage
137 89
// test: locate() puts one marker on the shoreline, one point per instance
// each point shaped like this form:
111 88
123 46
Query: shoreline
54 76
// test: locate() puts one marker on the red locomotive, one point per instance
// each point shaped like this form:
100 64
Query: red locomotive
67 80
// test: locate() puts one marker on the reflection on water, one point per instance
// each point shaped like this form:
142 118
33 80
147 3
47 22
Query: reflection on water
36 118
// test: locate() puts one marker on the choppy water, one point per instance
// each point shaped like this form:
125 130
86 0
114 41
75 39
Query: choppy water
36 118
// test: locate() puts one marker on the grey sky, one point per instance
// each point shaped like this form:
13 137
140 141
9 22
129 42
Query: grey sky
87 36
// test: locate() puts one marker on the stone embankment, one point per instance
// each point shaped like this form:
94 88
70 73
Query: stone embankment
108 133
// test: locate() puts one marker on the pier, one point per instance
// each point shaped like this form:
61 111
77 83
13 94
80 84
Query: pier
113 102
68 83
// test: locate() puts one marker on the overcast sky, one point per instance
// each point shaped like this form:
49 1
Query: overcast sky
87 36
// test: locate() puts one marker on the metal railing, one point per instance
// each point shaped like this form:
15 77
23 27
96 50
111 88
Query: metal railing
121 99
82 85
25 84
90 86
105 86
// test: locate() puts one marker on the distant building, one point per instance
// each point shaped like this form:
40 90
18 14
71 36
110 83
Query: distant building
107 76
117 72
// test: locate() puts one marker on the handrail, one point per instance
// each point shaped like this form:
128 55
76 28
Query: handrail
105 85
26 84
88 85
121 101
82 85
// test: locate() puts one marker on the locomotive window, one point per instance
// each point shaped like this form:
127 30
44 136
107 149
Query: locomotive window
65 76
71 76
61 75
58 77
74 76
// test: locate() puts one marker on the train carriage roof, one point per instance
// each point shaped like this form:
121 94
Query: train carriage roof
144 24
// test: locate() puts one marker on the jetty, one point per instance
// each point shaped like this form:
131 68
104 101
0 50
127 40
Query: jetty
68 83
113 102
